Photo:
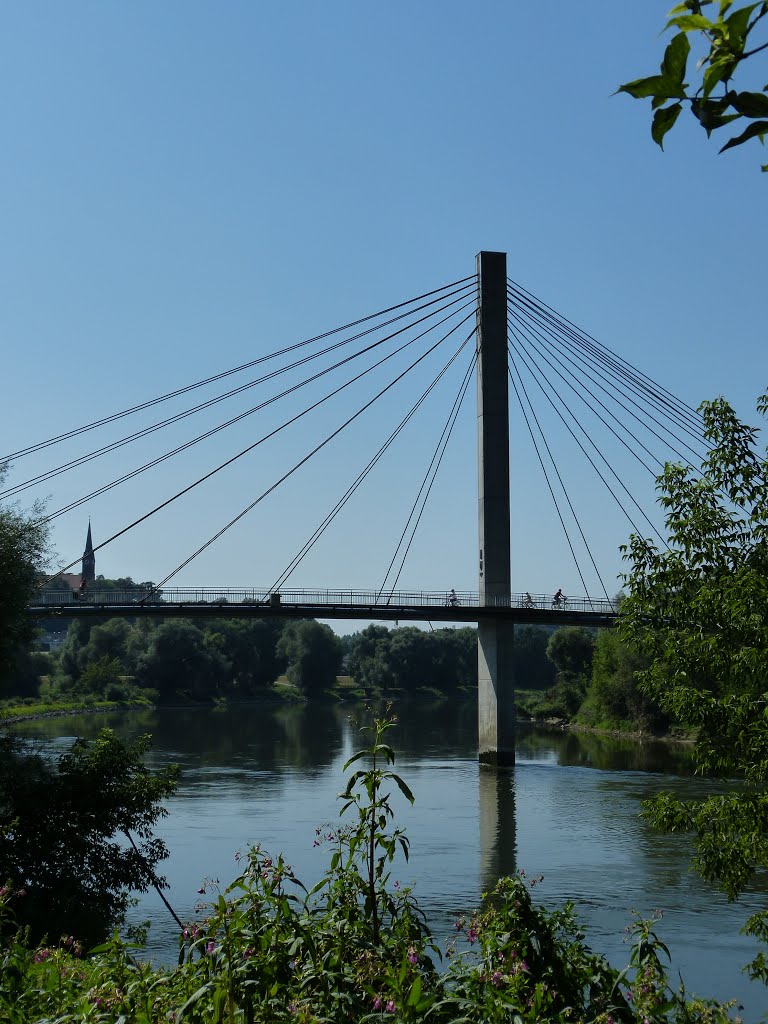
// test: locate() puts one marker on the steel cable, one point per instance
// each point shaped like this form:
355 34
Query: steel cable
226 373
536 375
81 460
553 342
549 485
642 380
445 434
295 467
330 516
266 437
181 448
559 356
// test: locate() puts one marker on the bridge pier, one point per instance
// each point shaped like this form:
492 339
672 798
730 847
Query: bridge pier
496 695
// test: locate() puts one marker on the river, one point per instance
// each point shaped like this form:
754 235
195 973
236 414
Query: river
569 811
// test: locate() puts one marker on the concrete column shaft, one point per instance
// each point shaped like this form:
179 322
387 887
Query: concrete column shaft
496 698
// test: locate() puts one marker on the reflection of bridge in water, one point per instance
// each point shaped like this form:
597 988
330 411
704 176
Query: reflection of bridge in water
420 606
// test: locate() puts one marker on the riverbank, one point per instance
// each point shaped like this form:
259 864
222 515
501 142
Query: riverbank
345 692
269 774
31 712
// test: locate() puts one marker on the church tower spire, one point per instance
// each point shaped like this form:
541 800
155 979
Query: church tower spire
89 558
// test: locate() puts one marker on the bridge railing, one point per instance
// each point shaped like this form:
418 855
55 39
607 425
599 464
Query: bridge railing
319 598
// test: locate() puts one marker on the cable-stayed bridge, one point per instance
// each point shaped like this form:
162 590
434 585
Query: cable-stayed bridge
483 326
406 606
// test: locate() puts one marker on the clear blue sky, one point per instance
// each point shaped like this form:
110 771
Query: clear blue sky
185 186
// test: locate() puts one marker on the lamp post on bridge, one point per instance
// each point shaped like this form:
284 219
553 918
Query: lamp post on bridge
496 696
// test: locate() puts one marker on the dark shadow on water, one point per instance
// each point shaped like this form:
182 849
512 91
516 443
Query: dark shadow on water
604 752
498 829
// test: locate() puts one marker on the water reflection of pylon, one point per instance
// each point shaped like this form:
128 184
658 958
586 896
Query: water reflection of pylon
498 832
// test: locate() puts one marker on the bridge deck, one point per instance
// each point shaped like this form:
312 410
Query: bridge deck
326 604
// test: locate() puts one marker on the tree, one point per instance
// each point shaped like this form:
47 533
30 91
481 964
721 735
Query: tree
249 646
729 39
613 694
76 836
570 650
23 551
699 612
125 584
410 658
313 655
179 659
367 661
533 670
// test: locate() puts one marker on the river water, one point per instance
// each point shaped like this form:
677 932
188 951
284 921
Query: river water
569 811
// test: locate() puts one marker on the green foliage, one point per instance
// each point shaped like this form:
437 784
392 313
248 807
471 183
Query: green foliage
23 552
313 653
570 649
61 826
355 949
728 39
411 659
27 670
249 645
699 613
180 660
614 695
533 669
125 584
101 676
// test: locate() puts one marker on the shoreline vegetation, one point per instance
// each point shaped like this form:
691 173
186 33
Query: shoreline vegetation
356 948
584 677
31 712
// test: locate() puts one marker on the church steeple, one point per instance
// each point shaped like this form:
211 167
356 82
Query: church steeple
89 558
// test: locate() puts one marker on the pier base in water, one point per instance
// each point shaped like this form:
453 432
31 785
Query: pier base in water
495 693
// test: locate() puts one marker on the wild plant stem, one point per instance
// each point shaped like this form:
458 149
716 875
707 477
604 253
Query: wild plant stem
371 855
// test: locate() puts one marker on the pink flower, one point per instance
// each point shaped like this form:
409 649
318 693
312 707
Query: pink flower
41 955
497 978
377 1003
390 1007
472 933
210 947
413 956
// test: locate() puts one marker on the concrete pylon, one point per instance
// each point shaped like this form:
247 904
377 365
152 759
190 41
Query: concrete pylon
496 696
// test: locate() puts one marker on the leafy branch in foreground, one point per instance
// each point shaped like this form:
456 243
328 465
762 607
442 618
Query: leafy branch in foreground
699 612
729 39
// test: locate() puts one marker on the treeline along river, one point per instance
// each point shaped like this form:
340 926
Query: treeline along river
568 811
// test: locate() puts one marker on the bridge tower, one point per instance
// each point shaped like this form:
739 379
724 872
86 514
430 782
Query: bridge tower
496 696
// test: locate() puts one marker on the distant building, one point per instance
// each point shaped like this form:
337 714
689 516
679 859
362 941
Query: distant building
88 572
74 580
